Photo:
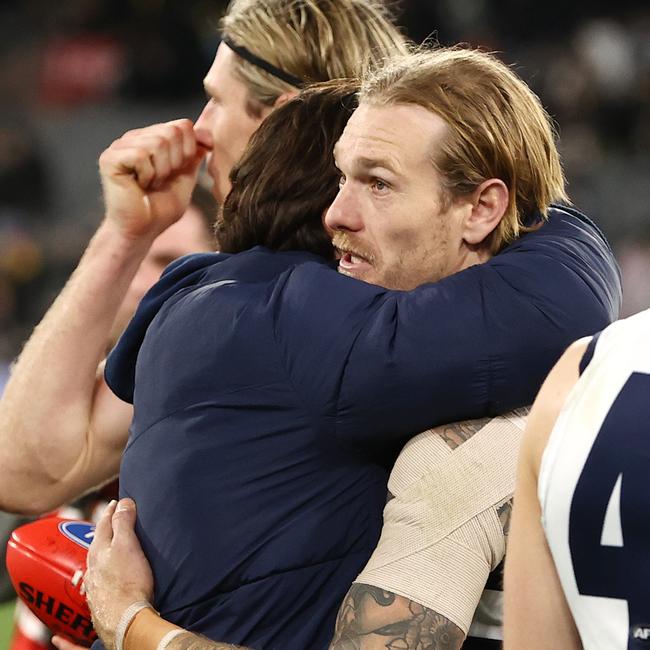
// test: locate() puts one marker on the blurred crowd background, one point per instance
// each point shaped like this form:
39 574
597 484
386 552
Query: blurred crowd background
74 75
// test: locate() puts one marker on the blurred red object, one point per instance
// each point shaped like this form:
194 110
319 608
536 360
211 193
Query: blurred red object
46 561
80 69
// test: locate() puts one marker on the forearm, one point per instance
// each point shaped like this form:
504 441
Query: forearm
148 629
47 408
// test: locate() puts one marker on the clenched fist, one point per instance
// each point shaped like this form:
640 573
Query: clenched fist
148 176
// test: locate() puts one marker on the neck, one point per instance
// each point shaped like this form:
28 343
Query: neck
473 255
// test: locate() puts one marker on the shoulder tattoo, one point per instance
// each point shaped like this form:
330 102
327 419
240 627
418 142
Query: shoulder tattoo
457 433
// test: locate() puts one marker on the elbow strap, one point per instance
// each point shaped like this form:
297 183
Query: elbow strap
442 534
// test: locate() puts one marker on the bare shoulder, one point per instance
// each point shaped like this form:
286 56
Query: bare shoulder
549 402
372 618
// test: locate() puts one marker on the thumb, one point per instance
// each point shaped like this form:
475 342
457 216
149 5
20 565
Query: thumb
194 164
124 520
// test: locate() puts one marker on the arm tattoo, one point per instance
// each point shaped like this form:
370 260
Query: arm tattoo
373 618
189 641
459 432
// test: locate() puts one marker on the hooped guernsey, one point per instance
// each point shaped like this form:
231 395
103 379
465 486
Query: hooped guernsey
593 490
272 395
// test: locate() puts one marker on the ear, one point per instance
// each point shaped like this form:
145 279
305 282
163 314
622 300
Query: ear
285 97
489 202
282 99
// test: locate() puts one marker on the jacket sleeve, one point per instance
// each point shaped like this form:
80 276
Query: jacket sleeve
384 365
185 272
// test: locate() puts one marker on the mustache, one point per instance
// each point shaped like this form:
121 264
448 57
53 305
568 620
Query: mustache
346 243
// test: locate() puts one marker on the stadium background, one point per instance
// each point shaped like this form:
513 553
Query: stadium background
74 75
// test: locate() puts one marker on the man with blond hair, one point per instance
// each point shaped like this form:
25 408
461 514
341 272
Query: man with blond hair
57 447
448 169
269 49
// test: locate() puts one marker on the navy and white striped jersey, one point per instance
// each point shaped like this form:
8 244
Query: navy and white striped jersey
594 490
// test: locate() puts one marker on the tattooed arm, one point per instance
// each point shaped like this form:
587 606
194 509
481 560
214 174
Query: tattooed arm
466 470
371 618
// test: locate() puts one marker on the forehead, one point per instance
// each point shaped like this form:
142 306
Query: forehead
403 135
221 77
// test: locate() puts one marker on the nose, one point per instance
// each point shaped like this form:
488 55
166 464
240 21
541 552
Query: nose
345 211
203 126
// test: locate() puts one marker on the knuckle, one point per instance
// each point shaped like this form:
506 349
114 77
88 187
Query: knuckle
184 124
141 154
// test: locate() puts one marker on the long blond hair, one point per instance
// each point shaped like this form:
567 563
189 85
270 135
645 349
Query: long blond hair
497 128
314 40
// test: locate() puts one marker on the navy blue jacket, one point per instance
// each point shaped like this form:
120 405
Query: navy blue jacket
272 393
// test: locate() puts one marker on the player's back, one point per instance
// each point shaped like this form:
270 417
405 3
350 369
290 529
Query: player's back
594 494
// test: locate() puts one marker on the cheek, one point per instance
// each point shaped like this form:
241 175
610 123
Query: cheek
243 128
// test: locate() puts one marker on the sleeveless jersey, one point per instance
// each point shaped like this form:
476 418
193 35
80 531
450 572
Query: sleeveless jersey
593 490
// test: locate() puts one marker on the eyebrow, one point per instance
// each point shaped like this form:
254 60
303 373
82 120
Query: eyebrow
370 163
367 162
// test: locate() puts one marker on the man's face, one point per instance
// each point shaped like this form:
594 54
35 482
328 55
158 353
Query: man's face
188 235
224 126
390 222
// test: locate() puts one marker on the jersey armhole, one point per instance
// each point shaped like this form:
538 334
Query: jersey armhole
588 354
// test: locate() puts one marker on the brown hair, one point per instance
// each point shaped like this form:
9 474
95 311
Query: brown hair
286 178
497 128
314 40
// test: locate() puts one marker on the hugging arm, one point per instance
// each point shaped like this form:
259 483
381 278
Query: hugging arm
118 575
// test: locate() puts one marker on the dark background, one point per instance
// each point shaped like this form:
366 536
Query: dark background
74 75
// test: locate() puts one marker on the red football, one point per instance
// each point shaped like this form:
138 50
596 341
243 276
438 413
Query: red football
46 561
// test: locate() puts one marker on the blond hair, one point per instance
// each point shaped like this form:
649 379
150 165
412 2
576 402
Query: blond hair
497 128
314 40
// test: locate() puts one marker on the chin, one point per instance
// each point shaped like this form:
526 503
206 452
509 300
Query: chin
362 277
351 274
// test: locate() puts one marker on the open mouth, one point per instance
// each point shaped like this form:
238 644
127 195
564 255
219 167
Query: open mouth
352 264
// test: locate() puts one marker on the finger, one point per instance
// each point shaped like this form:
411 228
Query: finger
175 142
135 161
104 530
123 521
62 644
158 147
179 135
193 165
185 130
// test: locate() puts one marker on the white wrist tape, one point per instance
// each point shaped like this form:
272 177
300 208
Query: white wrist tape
127 618
166 640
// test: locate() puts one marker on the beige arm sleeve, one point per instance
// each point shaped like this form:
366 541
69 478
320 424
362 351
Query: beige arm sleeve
442 534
